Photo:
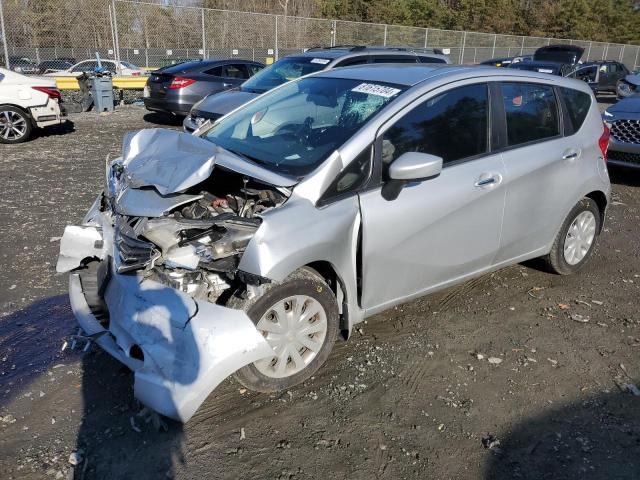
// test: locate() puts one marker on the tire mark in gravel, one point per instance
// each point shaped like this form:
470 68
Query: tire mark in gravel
412 374
380 461
454 294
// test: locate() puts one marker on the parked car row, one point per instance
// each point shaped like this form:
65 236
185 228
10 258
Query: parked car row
605 76
206 90
68 66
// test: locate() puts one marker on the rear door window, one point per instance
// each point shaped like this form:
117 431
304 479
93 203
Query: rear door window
453 125
394 59
531 112
235 71
215 71
361 60
577 104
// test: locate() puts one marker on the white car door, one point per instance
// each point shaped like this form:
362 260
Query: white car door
439 230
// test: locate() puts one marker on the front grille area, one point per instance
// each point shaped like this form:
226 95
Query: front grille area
133 253
625 157
626 131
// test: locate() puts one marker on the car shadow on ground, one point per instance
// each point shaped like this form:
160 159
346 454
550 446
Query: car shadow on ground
163 119
30 341
625 175
595 437
55 130
116 436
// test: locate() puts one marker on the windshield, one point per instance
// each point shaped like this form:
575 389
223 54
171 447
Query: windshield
282 71
292 130
128 65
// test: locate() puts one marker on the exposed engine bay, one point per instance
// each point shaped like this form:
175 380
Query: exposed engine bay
196 247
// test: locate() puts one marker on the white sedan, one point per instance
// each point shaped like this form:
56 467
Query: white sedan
89 66
27 103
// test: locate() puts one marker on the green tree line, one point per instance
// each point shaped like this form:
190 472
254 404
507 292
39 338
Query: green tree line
599 20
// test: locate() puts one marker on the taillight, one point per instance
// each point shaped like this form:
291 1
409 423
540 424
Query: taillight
603 142
51 91
135 74
181 82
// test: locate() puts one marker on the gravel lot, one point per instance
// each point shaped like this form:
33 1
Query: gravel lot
420 391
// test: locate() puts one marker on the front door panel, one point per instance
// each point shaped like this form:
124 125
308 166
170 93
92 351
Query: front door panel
436 231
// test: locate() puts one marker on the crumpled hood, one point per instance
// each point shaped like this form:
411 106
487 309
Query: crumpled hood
633 78
168 160
173 161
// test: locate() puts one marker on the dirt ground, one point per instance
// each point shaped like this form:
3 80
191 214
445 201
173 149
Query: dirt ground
412 394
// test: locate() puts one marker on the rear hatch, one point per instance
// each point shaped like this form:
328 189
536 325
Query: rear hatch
569 54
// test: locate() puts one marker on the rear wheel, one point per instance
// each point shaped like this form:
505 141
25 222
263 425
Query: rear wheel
576 239
299 320
15 125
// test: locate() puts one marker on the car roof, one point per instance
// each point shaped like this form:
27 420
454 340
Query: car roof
345 50
409 74
200 64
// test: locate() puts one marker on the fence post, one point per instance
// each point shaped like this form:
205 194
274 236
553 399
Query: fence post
606 51
589 51
493 51
275 51
426 37
635 62
464 41
204 41
116 40
4 37
385 35
334 26
621 54
522 46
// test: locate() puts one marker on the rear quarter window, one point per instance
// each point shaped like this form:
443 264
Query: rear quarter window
531 112
577 104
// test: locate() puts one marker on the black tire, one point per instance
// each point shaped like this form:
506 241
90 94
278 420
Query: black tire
15 113
304 281
555 260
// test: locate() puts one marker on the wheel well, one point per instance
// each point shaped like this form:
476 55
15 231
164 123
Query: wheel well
601 201
326 271
22 109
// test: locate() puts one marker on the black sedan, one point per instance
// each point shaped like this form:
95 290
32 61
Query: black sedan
56 64
175 89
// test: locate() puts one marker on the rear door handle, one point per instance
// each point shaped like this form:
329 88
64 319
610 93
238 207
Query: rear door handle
571 154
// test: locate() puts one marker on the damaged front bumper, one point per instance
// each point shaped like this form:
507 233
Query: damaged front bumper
178 347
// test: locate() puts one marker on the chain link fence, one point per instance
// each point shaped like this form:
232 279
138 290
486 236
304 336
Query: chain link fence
154 33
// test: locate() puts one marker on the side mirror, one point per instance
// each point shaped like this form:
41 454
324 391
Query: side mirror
410 166
415 166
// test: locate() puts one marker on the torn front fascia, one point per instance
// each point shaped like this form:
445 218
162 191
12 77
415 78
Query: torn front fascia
251 278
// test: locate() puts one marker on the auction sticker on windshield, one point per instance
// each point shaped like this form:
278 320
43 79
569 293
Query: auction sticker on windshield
373 89
321 61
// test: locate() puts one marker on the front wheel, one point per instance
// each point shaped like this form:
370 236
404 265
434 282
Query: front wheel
576 239
299 319
15 125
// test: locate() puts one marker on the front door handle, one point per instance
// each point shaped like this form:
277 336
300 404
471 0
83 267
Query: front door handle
487 181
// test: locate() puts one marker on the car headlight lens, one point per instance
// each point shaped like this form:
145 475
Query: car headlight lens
607 114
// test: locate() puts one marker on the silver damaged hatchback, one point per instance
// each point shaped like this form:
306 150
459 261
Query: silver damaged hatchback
245 250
